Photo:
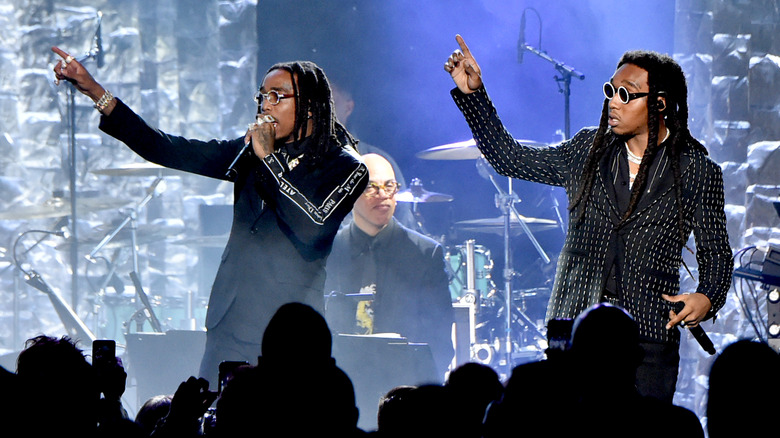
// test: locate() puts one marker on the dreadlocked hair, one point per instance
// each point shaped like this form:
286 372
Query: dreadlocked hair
313 95
597 150
665 79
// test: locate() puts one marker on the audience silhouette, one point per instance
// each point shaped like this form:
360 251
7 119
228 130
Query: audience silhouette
742 386
153 410
57 379
474 387
588 390
10 396
454 409
390 413
606 353
418 411
296 389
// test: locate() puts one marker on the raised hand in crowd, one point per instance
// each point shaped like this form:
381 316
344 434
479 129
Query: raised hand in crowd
190 402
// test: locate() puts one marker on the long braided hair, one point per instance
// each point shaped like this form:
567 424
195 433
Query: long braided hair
665 78
313 95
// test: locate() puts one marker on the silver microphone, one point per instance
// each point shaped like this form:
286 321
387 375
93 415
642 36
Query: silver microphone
231 172
265 118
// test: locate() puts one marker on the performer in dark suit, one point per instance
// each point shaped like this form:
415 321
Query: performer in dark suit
637 186
402 272
292 189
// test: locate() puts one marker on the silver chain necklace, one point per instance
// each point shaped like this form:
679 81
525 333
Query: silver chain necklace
638 160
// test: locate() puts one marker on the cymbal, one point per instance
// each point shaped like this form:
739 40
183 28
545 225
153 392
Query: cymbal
58 207
462 150
139 169
416 193
496 225
422 196
217 241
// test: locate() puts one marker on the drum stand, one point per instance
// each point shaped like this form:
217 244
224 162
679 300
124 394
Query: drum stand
505 202
147 312
471 296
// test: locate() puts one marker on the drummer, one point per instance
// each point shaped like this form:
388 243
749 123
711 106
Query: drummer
398 274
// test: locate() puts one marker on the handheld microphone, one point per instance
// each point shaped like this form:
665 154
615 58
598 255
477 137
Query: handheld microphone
231 172
99 42
521 40
698 333
702 338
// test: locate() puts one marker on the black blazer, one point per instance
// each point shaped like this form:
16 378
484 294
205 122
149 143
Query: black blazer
652 247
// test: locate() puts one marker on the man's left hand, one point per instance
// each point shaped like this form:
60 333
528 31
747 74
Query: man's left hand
697 305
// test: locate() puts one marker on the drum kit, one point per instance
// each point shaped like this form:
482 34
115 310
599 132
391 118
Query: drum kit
470 267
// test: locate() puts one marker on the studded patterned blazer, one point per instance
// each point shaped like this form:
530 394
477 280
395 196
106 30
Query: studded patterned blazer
649 238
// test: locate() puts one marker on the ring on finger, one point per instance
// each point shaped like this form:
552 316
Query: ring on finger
68 59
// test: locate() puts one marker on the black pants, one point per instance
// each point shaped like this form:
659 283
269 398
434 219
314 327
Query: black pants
657 374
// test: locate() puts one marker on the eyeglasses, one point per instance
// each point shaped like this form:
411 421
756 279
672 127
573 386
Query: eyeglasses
273 97
622 93
390 188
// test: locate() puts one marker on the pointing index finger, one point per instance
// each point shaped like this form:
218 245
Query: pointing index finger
59 52
463 47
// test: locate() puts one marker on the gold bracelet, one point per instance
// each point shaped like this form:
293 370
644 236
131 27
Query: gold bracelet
103 102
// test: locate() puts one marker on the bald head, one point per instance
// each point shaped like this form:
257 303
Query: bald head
372 213
378 166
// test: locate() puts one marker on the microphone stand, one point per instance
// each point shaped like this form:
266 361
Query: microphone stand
74 250
70 108
564 86
567 73
130 218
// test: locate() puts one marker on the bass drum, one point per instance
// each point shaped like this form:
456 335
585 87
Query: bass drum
457 264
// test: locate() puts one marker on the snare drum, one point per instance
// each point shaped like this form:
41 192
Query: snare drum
457 258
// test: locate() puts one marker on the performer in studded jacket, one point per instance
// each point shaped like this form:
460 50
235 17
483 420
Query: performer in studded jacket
637 187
